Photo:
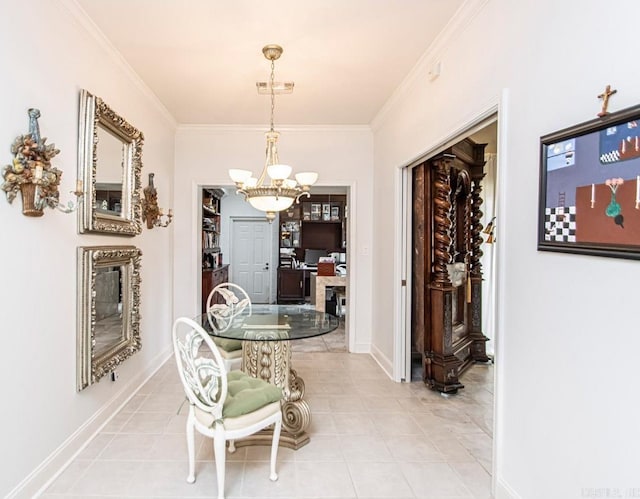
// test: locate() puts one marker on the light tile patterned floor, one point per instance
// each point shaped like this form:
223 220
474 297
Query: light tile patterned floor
370 438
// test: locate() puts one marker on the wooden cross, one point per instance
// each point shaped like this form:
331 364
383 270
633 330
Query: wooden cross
605 100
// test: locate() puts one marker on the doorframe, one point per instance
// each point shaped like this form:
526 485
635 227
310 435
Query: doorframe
353 300
403 250
402 298
240 218
352 261
404 233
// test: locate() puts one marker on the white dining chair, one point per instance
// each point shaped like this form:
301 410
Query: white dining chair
226 301
222 405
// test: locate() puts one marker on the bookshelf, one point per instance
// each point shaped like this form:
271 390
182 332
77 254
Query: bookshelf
214 271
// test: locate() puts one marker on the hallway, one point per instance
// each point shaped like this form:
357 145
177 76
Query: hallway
370 437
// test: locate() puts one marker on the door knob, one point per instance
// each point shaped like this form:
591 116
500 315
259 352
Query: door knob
266 266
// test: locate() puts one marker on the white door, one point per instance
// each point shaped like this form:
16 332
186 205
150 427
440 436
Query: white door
251 258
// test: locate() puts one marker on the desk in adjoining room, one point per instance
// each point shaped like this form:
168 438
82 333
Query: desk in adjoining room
319 285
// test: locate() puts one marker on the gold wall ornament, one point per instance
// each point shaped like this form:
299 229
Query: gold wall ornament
152 214
490 231
489 228
32 174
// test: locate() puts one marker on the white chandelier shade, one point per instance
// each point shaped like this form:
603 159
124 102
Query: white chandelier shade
271 203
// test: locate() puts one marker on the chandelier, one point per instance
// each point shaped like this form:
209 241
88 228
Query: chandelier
273 191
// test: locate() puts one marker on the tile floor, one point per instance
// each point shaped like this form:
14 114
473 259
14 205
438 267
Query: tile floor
370 438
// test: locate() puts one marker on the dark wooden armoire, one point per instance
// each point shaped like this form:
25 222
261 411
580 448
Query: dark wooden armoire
447 275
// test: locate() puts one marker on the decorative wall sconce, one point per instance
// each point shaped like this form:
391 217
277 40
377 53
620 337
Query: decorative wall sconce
151 213
490 229
32 174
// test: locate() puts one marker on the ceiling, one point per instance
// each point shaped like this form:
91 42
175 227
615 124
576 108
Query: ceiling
202 58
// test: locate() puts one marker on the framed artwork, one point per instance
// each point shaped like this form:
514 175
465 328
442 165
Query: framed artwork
326 212
315 211
335 213
590 187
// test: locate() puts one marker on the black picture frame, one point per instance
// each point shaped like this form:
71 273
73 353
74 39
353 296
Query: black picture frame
589 197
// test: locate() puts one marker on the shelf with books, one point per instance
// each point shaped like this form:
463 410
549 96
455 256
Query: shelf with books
210 243
214 271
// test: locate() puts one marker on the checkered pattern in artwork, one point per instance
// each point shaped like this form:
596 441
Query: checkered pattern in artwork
610 157
560 224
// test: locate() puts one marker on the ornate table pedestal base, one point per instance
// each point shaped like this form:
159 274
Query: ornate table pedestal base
271 361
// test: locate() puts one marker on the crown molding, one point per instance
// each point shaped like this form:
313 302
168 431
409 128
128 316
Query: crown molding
463 17
263 128
83 19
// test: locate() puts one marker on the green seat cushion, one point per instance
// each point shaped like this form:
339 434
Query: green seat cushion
228 345
246 394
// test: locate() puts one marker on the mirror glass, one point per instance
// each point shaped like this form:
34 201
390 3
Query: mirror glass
110 174
110 164
108 330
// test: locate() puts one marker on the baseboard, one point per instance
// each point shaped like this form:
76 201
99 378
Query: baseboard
361 348
385 363
503 491
42 476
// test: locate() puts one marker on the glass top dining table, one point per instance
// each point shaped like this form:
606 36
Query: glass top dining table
270 323
266 332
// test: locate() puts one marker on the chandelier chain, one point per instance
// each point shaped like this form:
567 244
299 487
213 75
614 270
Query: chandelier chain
273 99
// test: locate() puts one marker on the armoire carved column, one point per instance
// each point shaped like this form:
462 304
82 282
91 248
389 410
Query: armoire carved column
442 364
479 345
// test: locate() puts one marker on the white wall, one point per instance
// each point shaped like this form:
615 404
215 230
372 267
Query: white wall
341 155
567 340
47 58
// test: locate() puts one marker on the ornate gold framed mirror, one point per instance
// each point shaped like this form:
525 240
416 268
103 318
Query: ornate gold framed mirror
108 317
110 164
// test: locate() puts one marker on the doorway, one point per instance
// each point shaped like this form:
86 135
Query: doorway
485 131
481 380
251 256
234 207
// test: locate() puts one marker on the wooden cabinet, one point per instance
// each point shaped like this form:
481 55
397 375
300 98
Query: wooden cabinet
317 223
291 285
210 279
323 209
213 270
447 274
290 233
